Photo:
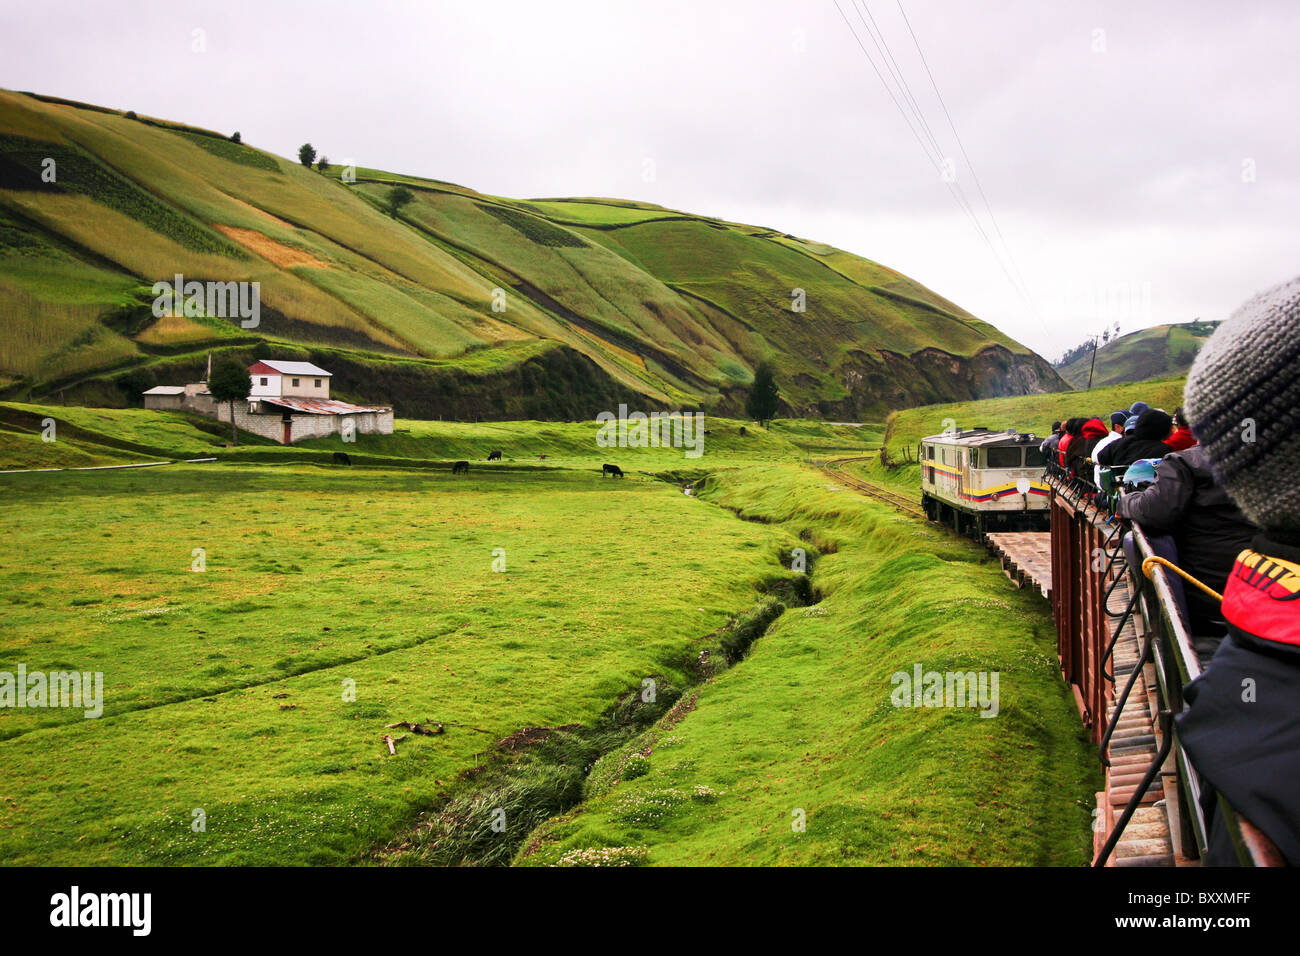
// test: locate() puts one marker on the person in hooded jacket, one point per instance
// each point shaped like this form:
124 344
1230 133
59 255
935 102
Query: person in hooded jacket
1093 431
1182 436
1147 441
1048 446
1241 729
1073 429
1208 529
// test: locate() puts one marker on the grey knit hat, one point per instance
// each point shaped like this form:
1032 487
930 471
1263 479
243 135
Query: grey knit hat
1243 400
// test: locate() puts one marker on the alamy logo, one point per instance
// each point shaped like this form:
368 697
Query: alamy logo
924 688
223 300
656 430
103 909
54 689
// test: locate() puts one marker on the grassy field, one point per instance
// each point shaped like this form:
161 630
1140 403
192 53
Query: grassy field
224 689
804 731
227 690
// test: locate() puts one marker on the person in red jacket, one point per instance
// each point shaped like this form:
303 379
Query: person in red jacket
1073 430
1182 438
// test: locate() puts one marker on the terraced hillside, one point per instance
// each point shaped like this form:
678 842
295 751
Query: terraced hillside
464 305
1157 352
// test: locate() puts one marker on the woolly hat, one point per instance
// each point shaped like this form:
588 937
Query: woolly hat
1243 400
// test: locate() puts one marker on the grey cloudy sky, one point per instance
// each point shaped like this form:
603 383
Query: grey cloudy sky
1142 159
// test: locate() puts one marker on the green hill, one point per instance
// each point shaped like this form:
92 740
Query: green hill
466 305
1157 352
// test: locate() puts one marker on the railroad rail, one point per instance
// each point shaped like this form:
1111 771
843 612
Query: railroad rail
834 468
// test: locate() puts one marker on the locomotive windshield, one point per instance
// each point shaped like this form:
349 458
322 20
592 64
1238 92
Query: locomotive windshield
1003 458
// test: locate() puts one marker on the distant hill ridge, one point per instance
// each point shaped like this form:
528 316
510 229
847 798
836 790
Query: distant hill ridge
1158 352
466 305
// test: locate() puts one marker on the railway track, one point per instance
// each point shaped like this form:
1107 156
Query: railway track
834 468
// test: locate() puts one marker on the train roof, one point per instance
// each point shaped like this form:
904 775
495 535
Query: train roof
981 437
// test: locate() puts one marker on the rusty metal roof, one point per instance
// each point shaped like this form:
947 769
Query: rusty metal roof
320 406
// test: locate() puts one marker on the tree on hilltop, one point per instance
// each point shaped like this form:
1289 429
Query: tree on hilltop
307 154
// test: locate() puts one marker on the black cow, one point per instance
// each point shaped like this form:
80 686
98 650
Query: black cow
614 470
743 431
341 458
460 468
494 456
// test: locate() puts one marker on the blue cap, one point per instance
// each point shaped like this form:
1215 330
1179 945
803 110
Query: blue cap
1130 424
1138 408
1119 418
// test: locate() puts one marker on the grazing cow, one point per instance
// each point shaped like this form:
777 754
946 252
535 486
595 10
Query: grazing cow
341 458
613 470
494 456
460 468
743 431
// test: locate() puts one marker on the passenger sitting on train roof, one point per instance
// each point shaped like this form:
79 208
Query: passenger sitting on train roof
1050 442
1117 420
1147 441
1073 429
1242 729
1182 436
1208 529
1093 431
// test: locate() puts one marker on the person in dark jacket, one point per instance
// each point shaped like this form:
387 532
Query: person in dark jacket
1208 529
1242 726
1147 441
1048 447
1093 431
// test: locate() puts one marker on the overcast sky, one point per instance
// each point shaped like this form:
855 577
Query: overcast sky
1142 160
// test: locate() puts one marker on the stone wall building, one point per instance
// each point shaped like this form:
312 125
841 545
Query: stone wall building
289 401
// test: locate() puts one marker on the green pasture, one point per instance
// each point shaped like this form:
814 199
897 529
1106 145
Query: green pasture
798 756
224 689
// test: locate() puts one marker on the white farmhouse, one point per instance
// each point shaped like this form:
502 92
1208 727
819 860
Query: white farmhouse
290 401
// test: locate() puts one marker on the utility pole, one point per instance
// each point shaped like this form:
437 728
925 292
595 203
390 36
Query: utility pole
1093 367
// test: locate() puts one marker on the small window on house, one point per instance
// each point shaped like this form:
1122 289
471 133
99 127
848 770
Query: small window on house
318 383
264 380
295 383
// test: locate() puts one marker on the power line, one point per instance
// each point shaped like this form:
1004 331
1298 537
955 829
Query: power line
937 159
970 165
